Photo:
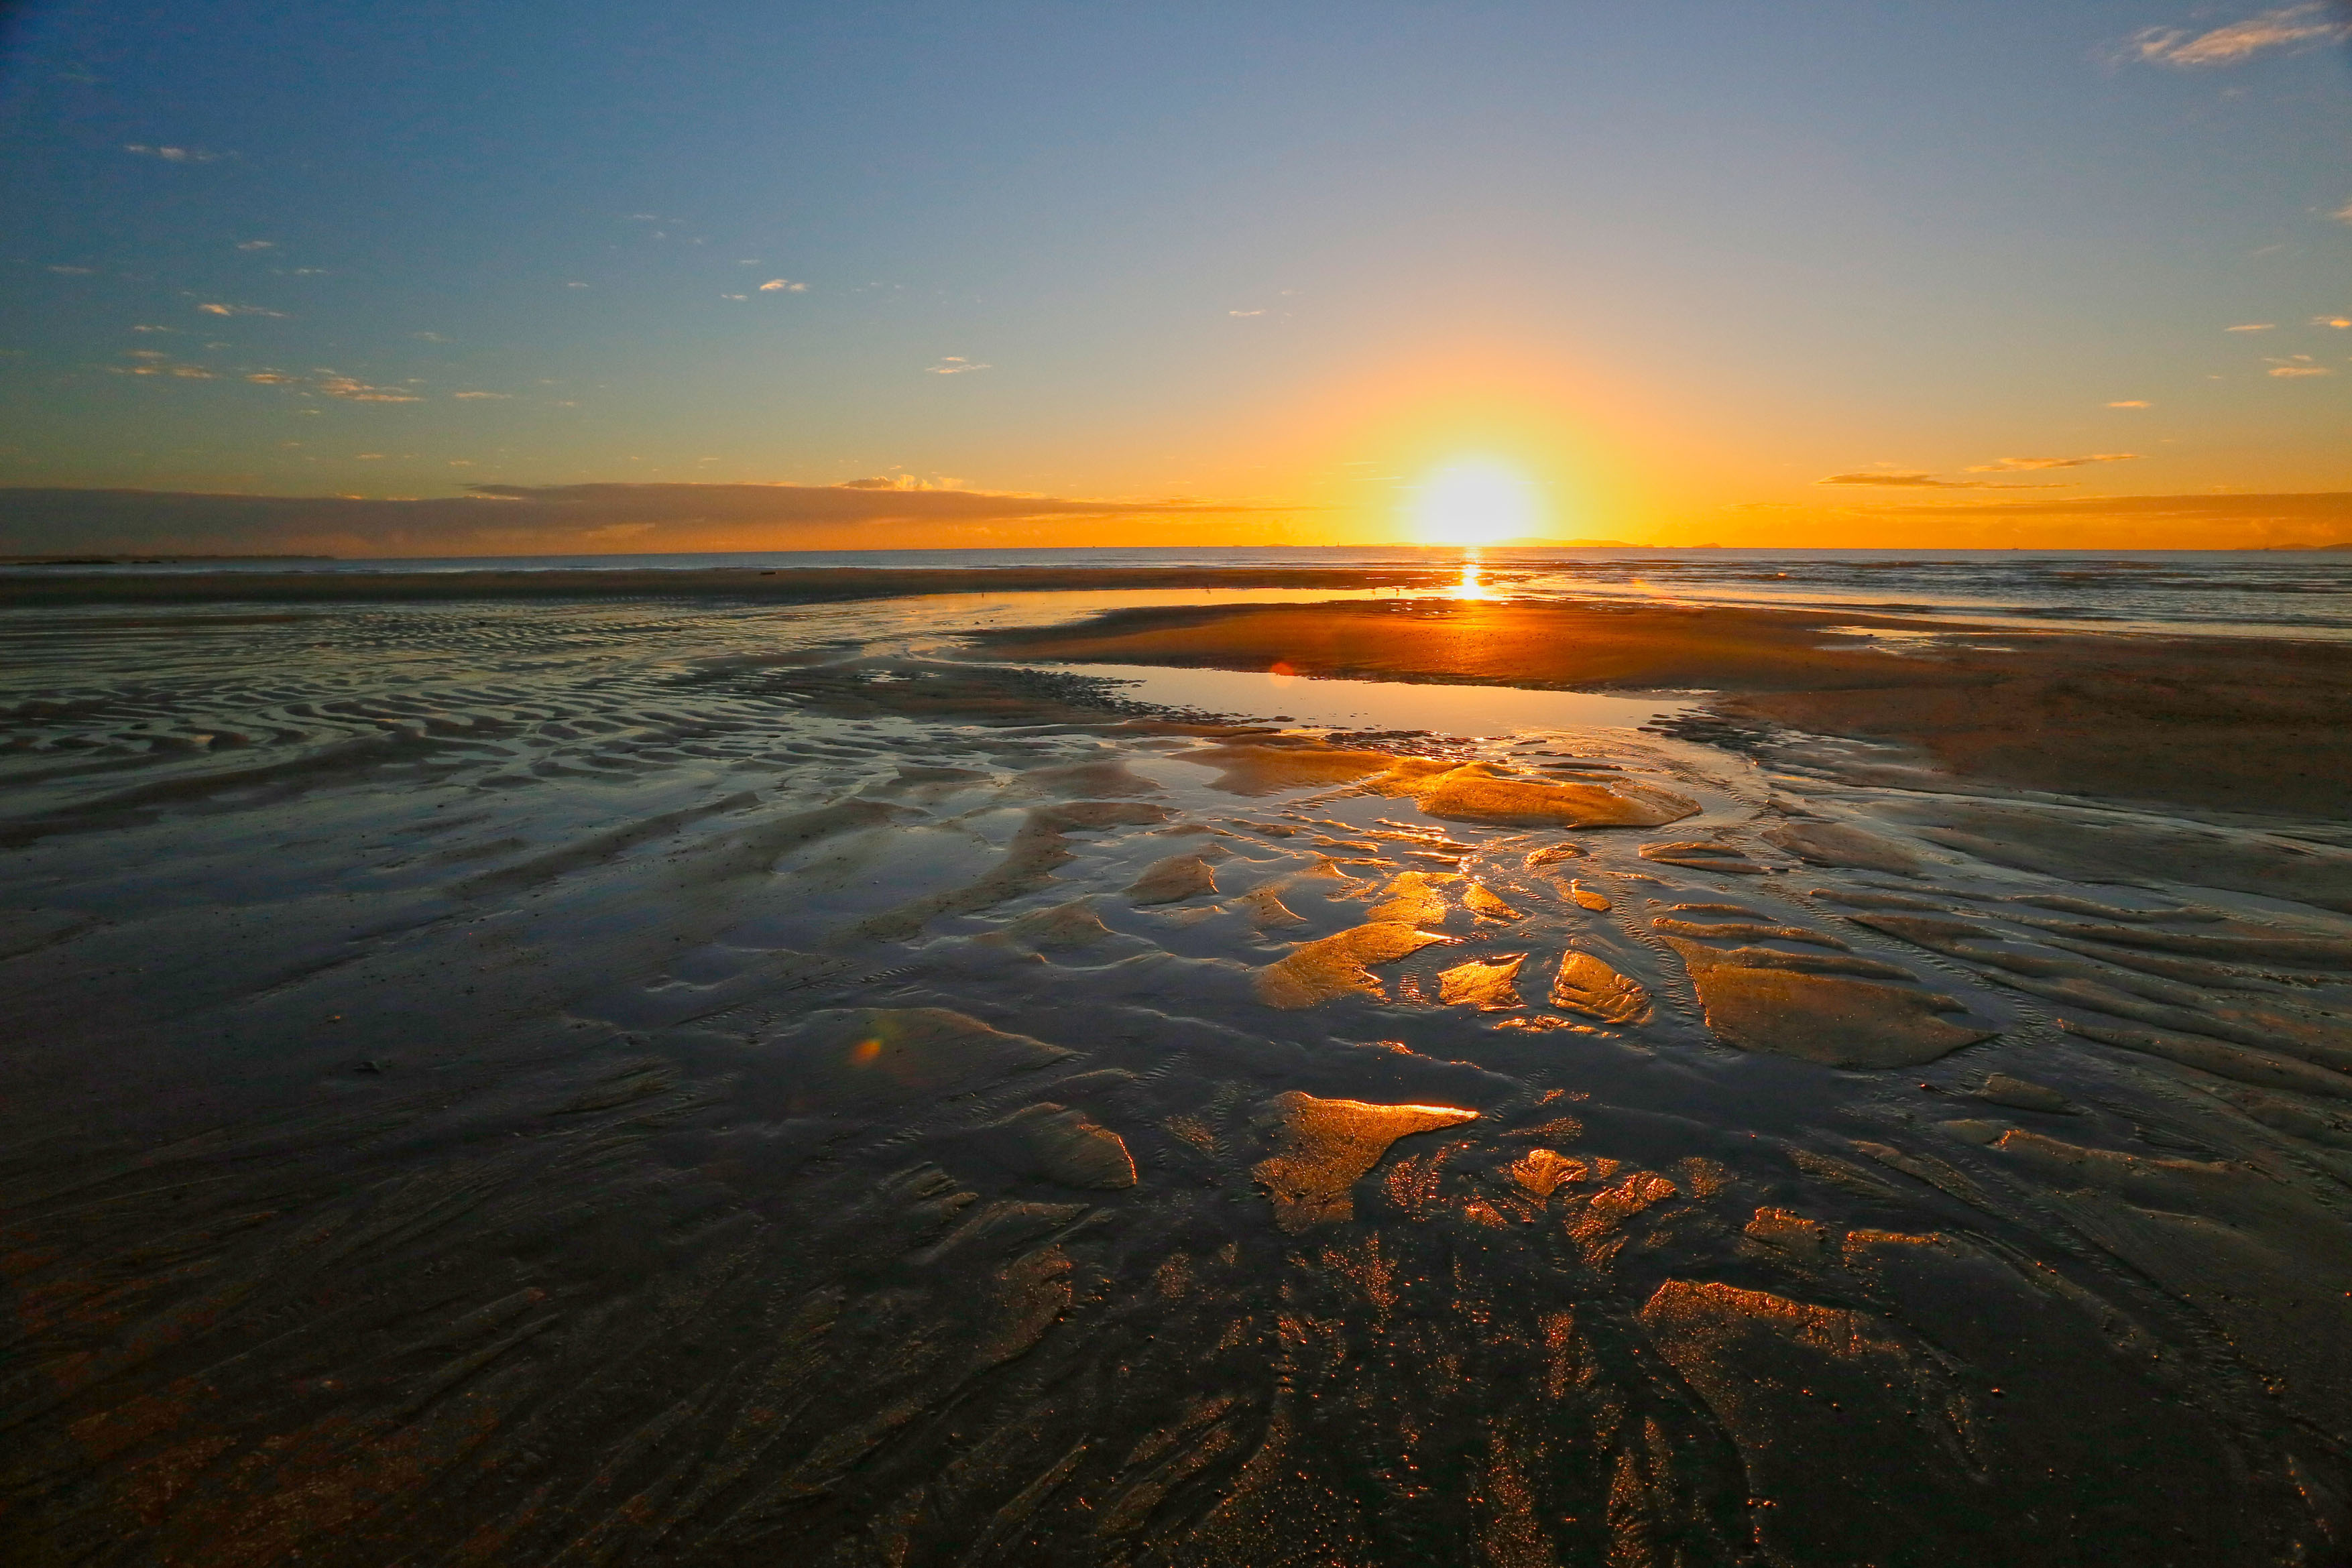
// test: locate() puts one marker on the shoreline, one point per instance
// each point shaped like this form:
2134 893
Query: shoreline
2260 725
2239 725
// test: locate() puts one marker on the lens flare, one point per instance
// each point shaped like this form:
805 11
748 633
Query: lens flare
1474 502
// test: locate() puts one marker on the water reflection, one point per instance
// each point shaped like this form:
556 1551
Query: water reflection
1473 584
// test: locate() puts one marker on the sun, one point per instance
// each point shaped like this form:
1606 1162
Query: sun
1474 501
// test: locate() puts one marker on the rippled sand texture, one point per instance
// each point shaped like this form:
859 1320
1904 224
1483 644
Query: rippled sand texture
636 1085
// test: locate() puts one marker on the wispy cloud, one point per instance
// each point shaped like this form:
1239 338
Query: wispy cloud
466 396
2342 215
782 286
2293 370
240 310
351 390
2131 402
335 384
954 366
897 481
73 271
173 154
155 362
2336 321
2253 327
1899 479
2030 465
1244 312
1912 479
2291 28
257 245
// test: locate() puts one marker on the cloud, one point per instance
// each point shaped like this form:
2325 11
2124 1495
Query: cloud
896 482
2337 321
2342 215
172 154
2029 465
2293 29
1897 479
353 391
2329 509
2253 327
1244 312
782 285
467 396
504 519
155 362
1907 479
257 245
955 366
331 383
2301 371
2132 403
73 271
240 310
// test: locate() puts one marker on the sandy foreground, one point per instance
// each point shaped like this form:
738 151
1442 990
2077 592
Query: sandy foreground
710 1082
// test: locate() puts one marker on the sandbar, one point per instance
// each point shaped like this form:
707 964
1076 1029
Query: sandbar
2235 724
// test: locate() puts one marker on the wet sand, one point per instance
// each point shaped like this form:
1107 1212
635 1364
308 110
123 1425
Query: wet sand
2222 724
701 1083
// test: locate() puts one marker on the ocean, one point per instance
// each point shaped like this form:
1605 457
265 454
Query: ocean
2269 593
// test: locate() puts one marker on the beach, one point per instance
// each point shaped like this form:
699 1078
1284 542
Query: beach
725 1068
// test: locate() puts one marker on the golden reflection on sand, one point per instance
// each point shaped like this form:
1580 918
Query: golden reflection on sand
1322 1146
1339 965
1490 986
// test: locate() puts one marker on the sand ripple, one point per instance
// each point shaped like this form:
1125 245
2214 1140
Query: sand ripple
621 1084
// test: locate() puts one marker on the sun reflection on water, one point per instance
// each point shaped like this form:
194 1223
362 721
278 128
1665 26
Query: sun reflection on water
1473 584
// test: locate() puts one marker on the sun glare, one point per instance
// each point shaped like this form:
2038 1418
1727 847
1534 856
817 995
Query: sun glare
1474 502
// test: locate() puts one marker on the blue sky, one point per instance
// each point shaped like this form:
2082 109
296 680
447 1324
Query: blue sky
1677 263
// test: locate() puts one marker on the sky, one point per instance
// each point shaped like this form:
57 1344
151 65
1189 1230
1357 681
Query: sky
449 278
